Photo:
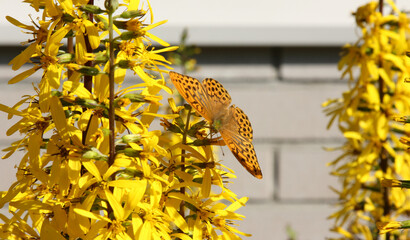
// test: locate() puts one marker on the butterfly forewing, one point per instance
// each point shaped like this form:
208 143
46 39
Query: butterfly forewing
217 93
194 93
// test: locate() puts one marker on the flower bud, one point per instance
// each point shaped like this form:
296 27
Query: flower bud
130 152
128 35
89 71
88 103
91 9
65 58
131 138
94 153
132 14
111 5
135 97
123 64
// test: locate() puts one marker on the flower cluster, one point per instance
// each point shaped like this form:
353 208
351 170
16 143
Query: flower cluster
71 183
377 68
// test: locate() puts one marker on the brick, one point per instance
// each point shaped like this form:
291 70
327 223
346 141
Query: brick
247 185
280 112
269 220
310 64
236 72
303 173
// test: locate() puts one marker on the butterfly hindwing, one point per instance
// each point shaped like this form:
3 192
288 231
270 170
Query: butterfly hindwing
243 150
244 125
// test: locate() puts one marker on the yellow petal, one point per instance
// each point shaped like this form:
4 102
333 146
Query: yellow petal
176 217
206 183
155 193
92 33
23 57
10 110
19 24
53 75
58 115
90 166
48 232
53 44
146 230
157 39
237 204
134 196
45 95
115 205
181 236
67 6
353 135
397 61
23 75
91 215
84 119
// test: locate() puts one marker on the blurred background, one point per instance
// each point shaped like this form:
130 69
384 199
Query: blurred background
278 60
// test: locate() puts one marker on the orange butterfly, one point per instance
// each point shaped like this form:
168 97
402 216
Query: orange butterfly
212 101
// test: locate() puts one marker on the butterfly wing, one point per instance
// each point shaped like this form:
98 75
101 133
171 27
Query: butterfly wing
218 95
194 93
237 134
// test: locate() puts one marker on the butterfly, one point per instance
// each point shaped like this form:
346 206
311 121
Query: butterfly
213 102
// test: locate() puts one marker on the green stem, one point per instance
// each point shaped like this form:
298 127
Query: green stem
111 112
70 49
184 137
88 80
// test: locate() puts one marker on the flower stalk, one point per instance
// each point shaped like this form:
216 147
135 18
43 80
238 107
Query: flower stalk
111 114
